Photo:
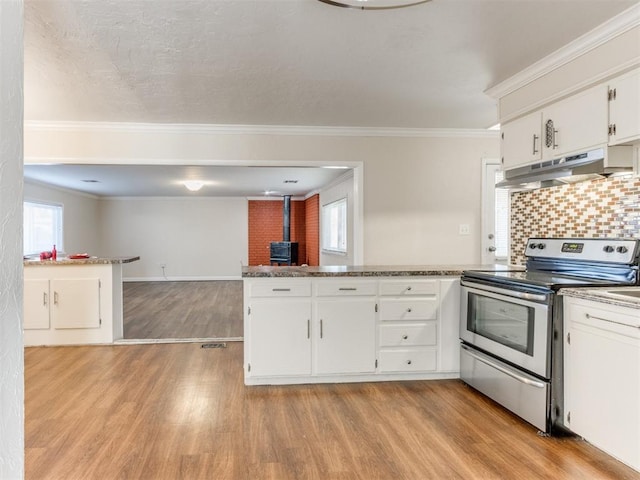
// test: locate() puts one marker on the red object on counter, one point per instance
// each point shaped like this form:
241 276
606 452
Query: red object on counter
54 253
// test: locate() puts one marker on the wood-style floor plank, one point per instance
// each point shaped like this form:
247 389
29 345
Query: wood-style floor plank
178 411
203 309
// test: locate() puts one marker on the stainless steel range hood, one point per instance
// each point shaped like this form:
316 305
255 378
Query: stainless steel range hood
596 163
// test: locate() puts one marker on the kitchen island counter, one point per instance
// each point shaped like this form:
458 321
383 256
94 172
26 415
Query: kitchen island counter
372 270
80 261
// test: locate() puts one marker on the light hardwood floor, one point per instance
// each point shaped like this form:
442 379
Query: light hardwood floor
157 310
178 411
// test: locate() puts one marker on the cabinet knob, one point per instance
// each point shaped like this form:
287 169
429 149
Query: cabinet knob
404 337
409 288
408 362
409 310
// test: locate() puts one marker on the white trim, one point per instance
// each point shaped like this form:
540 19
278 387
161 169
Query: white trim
145 341
600 35
212 129
181 279
68 191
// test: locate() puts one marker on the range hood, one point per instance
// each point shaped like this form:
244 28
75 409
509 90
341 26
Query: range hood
596 163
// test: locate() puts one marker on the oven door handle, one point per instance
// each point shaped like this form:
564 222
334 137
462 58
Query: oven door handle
502 369
534 297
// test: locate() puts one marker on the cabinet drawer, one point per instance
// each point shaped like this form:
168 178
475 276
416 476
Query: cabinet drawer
408 287
345 287
408 335
409 309
414 360
281 289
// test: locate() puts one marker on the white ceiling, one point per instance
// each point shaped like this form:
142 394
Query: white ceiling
166 180
287 62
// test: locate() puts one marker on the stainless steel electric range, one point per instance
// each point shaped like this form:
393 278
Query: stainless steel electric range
511 322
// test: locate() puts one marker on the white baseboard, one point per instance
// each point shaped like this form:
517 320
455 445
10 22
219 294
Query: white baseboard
180 279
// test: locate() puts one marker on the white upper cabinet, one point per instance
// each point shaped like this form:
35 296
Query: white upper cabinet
522 141
573 125
624 108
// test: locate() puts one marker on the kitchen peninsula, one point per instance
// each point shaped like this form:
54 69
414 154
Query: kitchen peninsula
73 301
352 323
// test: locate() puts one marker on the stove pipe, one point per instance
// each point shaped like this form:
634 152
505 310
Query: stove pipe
286 211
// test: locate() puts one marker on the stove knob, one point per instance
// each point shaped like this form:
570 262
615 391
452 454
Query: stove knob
622 249
541 246
608 248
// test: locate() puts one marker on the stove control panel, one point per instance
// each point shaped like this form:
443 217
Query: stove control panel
611 250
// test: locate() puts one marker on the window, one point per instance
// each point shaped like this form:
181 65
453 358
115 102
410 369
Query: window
42 227
334 226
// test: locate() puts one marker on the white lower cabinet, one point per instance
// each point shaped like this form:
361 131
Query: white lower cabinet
602 376
408 325
62 303
306 330
280 336
346 337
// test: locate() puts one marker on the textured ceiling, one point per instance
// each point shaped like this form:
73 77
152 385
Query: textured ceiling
287 62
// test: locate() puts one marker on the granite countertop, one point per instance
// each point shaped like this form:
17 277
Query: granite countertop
604 295
80 261
371 271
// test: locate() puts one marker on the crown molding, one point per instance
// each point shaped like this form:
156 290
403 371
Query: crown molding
600 35
211 129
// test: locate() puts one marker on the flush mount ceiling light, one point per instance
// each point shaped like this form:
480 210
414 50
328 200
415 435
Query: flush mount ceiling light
374 4
193 185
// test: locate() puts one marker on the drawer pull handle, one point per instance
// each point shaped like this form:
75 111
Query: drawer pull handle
347 289
281 289
409 310
408 362
44 299
55 298
404 337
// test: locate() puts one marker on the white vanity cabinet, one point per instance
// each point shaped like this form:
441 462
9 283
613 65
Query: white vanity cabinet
624 108
408 331
602 376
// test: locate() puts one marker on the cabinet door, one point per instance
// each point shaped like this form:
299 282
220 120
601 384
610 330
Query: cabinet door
36 305
76 303
602 384
521 141
624 108
575 124
346 336
279 337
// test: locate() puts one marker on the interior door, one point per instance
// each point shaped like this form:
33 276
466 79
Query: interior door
495 215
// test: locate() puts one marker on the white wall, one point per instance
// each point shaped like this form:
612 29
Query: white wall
80 216
11 342
343 188
417 190
204 238
416 195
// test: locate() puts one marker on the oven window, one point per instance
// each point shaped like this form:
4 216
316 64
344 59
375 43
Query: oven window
504 322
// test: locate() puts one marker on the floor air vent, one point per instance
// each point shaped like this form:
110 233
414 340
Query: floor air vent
214 345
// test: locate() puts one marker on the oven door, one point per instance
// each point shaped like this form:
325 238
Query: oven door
510 324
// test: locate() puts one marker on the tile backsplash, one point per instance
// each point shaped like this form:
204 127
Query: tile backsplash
603 208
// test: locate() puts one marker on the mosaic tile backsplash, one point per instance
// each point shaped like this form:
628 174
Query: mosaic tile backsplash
603 208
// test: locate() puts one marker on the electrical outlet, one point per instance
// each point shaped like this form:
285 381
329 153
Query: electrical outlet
465 229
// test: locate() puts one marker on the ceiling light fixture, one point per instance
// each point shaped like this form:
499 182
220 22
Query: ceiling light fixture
193 185
374 4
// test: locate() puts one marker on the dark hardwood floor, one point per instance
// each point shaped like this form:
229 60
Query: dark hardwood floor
164 310
178 411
